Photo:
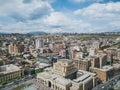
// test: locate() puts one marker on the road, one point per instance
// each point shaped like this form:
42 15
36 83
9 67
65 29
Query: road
109 84
27 80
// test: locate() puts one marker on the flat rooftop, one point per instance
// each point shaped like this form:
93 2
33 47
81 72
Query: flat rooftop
81 78
85 76
86 72
55 77
104 68
64 60
8 68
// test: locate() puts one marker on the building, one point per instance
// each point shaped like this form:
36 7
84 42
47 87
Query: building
96 45
82 64
65 68
62 53
78 55
84 81
2 62
57 79
105 73
102 59
39 43
53 81
118 54
98 60
92 51
15 49
94 61
8 72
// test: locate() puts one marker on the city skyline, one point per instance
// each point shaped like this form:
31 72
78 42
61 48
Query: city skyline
52 16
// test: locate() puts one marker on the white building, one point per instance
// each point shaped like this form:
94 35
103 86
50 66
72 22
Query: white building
39 43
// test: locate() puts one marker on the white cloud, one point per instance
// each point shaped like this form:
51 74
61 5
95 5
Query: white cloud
56 18
82 1
101 11
39 15
20 10
77 1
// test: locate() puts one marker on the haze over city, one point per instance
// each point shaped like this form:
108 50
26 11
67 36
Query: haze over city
81 16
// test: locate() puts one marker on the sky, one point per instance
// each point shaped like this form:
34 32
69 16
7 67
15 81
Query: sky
52 16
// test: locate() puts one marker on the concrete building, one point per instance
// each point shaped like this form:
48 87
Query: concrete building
15 49
102 59
82 64
78 55
56 79
65 68
53 81
98 60
8 72
94 61
39 43
96 45
84 81
92 51
62 53
105 73
118 54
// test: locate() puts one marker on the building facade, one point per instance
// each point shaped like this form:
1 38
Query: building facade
56 79
8 72
65 68
15 49
39 43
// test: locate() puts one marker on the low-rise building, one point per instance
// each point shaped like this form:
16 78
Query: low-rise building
8 72
84 81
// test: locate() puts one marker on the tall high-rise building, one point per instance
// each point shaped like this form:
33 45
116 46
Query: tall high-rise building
39 43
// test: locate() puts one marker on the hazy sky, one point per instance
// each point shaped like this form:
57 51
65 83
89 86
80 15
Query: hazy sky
59 16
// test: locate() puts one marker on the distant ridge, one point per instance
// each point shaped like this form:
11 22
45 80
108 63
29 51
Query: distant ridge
45 33
37 32
4 33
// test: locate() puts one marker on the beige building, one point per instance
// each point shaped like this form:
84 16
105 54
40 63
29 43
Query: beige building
84 81
78 55
65 68
15 49
82 64
92 51
118 54
8 72
105 73
102 59
98 60
55 80
94 61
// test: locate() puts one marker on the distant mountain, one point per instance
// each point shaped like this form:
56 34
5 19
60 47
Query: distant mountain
38 32
3 33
